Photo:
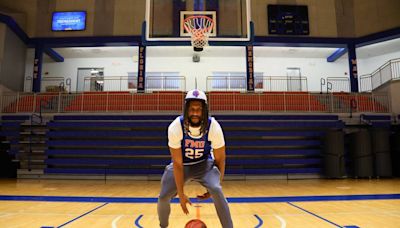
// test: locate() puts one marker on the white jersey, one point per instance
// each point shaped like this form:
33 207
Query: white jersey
215 134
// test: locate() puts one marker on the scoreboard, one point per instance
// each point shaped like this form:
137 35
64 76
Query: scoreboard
288 20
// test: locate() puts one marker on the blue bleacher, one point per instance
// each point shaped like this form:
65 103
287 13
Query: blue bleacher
107 152
377 121
116 117
118 163
10 129
19 118
274 171
375 117
147 124
107 134
137 144
278 117
160 171
103 171
172 117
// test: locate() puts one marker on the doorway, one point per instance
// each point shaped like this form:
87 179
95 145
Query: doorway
293 79
90 79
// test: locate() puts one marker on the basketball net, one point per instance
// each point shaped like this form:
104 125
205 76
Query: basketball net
199 28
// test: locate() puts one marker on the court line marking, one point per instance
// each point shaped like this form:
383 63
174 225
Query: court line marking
260 221
283 222
272 199
83 215
114 222
326 220
197 206
288 214
137 221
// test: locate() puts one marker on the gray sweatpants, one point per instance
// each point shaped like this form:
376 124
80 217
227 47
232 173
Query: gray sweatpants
207 175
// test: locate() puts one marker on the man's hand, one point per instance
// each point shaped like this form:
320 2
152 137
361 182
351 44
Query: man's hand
204 196
184 200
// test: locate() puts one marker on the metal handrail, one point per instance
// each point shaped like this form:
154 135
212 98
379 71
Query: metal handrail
172 101
238 83
129 83
384 65
377 71
328 87
32 123
334 80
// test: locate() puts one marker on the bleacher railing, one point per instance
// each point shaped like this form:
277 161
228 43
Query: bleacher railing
337 84
387 72
266 83
54 84
128 83
165 101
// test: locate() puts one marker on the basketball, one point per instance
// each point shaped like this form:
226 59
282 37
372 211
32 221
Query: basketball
195 223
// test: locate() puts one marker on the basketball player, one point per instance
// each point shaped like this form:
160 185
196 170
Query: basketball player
197 146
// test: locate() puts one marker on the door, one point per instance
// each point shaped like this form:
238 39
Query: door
293 79
85 79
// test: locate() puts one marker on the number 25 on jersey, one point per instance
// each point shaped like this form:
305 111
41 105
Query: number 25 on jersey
194 153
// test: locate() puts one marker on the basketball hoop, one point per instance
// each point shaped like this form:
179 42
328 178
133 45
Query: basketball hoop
199 27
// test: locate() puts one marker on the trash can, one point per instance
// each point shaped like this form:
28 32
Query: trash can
380 138
361 154
333 154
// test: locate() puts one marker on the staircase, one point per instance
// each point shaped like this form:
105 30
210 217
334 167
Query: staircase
387 72
32 146
26 140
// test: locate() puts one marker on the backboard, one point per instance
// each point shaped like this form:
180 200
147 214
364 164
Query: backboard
164 20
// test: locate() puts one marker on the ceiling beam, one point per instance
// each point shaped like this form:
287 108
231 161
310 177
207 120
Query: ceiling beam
336 55
54 55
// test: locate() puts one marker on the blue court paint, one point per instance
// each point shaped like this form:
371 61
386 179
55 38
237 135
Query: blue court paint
82 215
351 226
311 198
274 199
260 221
137 221
326 220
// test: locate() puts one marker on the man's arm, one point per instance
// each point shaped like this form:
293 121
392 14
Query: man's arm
219 155
176 154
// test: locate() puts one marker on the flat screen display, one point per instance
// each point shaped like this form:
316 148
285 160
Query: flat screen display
288 20
69 21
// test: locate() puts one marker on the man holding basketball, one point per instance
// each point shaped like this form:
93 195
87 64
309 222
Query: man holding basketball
197 146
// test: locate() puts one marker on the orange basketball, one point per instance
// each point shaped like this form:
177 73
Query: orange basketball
195 223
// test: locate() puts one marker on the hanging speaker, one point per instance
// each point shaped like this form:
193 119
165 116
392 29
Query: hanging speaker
196 58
